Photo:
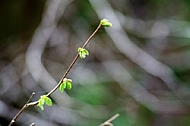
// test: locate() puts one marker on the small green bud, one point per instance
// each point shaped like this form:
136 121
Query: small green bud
67 83
83 52
106 23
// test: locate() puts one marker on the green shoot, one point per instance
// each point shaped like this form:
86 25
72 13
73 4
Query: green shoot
44 100
67 83
83 52
106 23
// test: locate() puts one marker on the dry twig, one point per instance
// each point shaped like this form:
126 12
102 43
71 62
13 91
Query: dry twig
108 122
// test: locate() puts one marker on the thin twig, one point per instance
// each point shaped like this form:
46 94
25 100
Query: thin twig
74 61
23 108
57 86
108 122
30 97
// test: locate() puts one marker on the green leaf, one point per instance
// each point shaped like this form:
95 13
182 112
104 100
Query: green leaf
79 49
81 55
69 85
48 101
86 52
41 107
106 23
41 103
62 86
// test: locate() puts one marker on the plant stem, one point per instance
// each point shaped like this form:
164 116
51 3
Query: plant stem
23 108
57 86
74 61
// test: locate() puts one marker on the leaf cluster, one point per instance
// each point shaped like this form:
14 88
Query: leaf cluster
106 23
67 83
44 100
83 52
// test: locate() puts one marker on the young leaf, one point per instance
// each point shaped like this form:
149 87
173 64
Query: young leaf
106 23
79 49
41 107
83 55
86 52
48 101
62 86
41 103
69 85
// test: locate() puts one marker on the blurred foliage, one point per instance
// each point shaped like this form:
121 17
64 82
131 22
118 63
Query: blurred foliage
95 94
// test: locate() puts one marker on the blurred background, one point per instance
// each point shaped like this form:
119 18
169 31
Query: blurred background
139 68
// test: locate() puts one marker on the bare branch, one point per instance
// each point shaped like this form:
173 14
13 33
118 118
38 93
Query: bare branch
108 122
23 108
30 98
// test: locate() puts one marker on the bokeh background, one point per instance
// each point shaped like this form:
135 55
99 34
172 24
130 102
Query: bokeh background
139 68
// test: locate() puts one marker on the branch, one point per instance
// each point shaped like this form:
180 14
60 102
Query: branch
23 108
74 61
57 86
108 122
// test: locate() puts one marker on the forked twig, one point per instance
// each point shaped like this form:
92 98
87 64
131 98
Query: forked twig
27 105
23 108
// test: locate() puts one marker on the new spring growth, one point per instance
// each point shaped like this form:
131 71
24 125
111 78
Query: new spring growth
106 23
83 52
44 100
67 83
